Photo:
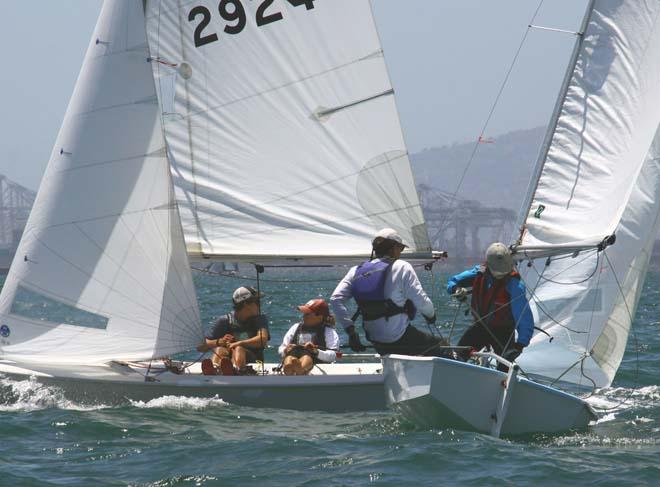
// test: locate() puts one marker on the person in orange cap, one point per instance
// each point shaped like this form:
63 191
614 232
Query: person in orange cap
310 341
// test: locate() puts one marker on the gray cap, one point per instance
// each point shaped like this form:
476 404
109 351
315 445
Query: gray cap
245 293
498 258
389 234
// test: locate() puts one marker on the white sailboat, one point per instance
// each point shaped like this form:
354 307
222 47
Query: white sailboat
253 131
587 230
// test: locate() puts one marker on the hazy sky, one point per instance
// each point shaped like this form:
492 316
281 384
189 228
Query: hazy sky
447 59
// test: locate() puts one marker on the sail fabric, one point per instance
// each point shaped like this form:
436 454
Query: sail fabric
282 128
101 271
605 127
601 176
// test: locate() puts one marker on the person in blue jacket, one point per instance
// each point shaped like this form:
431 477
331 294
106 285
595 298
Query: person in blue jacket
499 305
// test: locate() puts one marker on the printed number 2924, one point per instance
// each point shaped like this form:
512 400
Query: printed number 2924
235 16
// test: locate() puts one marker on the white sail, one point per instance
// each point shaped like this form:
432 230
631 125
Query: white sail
600 177
282 126
101 271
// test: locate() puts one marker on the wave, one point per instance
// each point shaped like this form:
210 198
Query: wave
180 402
30 395
616 399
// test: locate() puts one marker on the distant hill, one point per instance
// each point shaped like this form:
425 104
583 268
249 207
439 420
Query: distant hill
498 175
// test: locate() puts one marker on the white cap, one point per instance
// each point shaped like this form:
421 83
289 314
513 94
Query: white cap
245 293
498 259
389 234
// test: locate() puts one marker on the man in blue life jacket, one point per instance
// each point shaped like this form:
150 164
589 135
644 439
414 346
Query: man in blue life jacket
311 341
388 294
499 305
230 353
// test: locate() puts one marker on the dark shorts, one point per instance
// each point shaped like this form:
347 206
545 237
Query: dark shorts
251 354
254 354
413 342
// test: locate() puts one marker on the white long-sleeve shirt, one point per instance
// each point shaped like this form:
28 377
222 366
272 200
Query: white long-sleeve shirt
331 342
401 284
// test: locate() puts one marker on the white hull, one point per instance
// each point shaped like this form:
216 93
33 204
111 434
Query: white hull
331 388
437 392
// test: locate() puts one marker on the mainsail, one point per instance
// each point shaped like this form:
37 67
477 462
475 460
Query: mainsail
282 128
101 272
599 176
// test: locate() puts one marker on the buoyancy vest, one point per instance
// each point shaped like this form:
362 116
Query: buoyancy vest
316 335
368 289
493 305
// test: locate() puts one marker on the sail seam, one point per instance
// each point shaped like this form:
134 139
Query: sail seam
293 195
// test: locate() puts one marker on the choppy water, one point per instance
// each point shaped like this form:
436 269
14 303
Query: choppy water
46 439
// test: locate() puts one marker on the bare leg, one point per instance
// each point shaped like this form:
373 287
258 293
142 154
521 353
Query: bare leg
219 353
291 366
306 365
239 357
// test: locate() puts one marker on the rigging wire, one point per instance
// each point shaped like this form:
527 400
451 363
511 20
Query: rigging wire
630 316
551 280
475 148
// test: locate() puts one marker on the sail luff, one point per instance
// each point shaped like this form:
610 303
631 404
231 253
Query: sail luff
552 125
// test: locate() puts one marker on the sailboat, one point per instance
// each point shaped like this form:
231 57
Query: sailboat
587 230
199 132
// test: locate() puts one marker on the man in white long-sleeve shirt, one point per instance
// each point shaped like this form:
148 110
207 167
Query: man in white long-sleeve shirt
388 294
311 341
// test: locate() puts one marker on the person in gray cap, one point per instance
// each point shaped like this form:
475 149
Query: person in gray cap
499 305
388 295
224 337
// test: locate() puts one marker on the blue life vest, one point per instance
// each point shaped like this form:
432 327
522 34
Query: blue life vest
368 289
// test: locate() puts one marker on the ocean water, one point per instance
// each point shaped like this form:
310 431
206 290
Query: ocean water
46 439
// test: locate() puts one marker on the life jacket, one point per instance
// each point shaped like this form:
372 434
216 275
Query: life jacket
368 289
314 334
494 303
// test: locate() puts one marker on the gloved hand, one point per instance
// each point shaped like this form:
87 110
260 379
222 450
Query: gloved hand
354 340
460 293
431 320
513 352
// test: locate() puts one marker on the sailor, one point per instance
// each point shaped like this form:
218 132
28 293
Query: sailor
224 337
499 305
388 294
314 340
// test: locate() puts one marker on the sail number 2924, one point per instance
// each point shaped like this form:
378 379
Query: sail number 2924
234 14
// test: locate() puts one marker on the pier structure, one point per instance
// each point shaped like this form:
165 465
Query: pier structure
464 227
15 204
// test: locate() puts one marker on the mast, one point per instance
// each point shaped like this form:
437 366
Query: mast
559 104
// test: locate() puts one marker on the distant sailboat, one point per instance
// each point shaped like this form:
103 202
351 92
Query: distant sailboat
587 231
252 131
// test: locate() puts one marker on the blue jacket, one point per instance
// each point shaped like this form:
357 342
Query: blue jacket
520 310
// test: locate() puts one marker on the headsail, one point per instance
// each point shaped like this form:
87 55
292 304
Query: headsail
600 177
101 272
282 126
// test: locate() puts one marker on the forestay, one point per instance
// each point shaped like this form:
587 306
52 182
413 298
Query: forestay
282 128
600 176
101 271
